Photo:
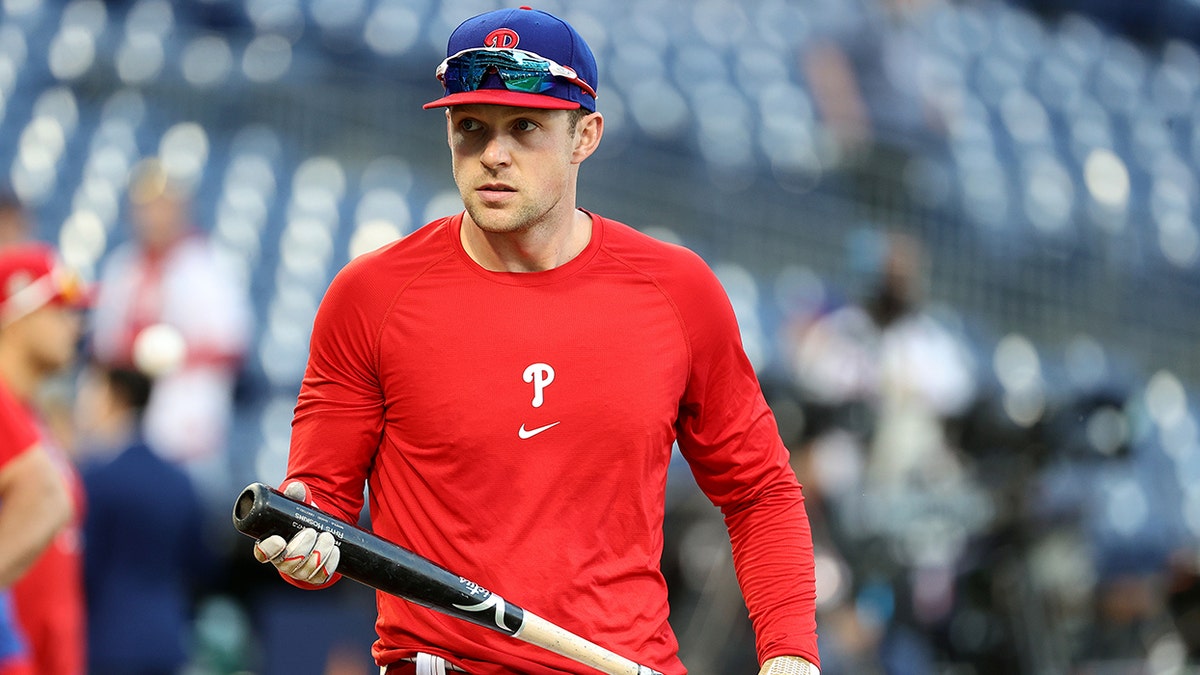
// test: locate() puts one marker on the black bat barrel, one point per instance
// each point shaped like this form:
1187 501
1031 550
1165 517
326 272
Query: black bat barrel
261 511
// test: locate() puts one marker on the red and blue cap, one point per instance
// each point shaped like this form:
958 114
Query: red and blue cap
522 57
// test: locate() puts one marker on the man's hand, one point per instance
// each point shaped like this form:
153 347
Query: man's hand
309 557
788 665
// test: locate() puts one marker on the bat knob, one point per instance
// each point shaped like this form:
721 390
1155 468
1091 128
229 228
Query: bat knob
250 510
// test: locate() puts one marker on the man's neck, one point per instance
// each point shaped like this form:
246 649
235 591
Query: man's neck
113 434
535 249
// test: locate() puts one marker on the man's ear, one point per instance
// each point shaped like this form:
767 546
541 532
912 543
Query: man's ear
588 131
449 129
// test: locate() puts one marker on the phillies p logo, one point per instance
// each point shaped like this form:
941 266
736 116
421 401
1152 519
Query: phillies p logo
504 38
540 375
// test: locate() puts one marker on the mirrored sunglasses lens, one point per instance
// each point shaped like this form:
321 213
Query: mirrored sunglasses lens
522 81
468 72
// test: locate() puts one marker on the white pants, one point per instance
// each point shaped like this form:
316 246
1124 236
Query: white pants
428 664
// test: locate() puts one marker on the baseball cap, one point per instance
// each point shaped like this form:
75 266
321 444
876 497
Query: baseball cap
522 57
32 276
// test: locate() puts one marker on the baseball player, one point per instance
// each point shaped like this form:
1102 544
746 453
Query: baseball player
40 498
508 383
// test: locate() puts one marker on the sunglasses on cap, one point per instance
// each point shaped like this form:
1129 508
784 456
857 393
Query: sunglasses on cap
519 70
60 287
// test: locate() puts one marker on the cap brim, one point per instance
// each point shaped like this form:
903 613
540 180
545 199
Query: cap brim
516 99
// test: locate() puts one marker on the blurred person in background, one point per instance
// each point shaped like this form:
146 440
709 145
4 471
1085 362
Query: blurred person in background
15 224
40 324
886 357
169 273
864 77
142 569
883 382
34 504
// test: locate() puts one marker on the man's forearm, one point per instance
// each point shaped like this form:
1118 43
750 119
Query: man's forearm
34 505
773 558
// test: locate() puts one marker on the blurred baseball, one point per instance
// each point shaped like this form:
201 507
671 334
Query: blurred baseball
159 350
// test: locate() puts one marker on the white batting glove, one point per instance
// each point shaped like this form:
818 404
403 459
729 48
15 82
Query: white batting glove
308 557
788 665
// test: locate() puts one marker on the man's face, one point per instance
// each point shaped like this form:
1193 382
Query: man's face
515 167
160 221
49 336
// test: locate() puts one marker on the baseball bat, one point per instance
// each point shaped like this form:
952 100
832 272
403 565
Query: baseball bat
261 511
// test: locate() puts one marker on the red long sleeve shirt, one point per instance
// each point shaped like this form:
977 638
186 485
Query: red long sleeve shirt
516 428
49 597
17 435
47 600
17 431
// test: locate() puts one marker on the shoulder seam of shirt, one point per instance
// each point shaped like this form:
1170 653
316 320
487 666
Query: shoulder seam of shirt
687 341
377 340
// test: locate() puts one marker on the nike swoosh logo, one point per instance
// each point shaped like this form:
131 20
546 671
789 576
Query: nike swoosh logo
530 433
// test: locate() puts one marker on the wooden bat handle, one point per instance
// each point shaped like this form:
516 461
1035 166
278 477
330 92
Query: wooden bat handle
547 635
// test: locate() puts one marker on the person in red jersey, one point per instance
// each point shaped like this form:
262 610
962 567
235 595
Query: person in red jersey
40 326
509 382
34 504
